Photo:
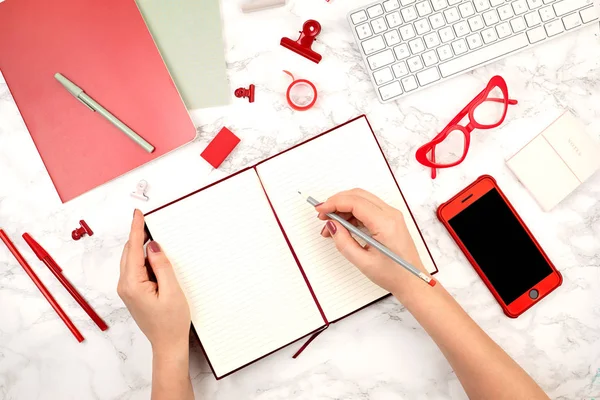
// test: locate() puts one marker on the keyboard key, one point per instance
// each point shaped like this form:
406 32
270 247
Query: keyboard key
391 5
534 3
439 5
375 11
430 58
414 64
393 19
359 17
554 28
392 37
476 23
382 59
571 21
462 29
566 6
402 51
490 17
453 2
364 31
482 5
489 35
532 19
409 83
520 7
548 1
444 52
483 55
416 45
503 30
390 91
466 9
588 15
407 2
422 26
407 32
400 69
451 15
474 41
459 47
536 34
378 25
424 8
428 76
431 40
409 14
383 76
446 34
437 21
517 24
372 45
506 12
547 13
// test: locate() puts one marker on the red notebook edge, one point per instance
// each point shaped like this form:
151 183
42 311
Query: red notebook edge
327 323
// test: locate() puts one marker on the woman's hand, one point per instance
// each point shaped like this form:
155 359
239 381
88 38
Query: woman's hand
386 225
159 308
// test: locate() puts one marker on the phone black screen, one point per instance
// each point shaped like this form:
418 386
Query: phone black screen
500 245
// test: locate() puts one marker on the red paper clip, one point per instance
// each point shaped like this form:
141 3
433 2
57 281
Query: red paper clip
296 84
249 93
302 46
84 230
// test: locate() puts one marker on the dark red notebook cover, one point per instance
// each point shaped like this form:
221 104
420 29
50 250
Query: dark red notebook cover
106 49
327 323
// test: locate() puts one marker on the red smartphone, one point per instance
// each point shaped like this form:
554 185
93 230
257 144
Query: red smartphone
499 245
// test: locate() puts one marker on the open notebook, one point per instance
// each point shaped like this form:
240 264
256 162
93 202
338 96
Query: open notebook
248 252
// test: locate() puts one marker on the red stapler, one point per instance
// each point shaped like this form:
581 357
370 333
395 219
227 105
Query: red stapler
302 46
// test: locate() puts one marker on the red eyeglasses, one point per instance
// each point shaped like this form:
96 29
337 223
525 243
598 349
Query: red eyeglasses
486 111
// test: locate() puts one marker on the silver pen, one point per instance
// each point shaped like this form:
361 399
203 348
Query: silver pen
374 243
94 106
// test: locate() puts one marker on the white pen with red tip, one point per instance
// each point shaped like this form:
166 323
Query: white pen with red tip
374 243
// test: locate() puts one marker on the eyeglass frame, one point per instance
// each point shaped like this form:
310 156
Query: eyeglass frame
429 147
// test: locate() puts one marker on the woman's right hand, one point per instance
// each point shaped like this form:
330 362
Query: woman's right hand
385 224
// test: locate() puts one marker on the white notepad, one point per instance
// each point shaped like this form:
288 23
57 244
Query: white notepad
249 255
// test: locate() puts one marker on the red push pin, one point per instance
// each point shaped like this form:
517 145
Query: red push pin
302 46
249 93
82 231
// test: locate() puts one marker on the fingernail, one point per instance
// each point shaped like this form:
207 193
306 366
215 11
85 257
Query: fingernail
331 227
154 247
323 230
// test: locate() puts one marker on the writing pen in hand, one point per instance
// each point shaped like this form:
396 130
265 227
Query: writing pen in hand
374 243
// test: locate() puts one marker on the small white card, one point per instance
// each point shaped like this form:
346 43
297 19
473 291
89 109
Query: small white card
557 161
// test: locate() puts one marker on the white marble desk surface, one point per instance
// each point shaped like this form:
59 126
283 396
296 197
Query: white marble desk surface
380 352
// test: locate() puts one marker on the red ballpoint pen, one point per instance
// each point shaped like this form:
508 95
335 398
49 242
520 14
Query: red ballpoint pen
57 271
15 252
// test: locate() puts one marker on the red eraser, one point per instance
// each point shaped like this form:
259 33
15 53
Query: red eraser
220 147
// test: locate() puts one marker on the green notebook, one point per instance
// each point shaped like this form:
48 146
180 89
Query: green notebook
188 34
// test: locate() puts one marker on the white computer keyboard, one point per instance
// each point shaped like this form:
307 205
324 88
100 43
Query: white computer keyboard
411 44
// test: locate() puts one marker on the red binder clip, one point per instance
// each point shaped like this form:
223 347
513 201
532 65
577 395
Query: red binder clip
249 93
82 231
302 46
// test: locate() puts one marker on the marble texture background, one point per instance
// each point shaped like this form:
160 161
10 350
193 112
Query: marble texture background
379 353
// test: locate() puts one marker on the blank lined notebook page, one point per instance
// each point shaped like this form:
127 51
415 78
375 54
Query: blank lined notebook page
246 293
345 158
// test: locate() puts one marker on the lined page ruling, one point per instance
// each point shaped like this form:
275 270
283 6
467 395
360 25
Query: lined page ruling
343 159
246 293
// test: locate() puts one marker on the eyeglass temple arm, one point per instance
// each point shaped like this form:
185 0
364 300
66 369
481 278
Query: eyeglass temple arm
510 101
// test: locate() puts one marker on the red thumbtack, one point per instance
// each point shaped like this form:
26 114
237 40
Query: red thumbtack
249 93
82 231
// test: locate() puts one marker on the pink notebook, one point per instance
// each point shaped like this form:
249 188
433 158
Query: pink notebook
106 49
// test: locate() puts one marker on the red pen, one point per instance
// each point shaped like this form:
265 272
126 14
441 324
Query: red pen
57 271
15 252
